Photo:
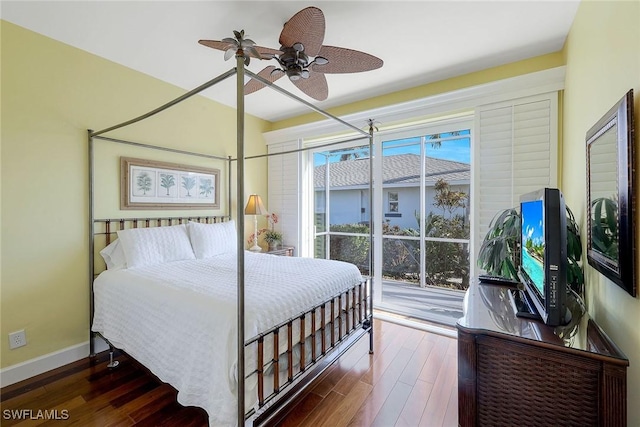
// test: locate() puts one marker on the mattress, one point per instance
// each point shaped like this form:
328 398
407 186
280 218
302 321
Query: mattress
179 318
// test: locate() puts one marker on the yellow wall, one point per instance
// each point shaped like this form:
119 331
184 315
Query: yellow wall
51 94
603 62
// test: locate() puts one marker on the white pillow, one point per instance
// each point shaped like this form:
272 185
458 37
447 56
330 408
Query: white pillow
209 240
155 245
113 256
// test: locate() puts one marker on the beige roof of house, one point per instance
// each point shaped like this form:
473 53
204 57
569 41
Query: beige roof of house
397 169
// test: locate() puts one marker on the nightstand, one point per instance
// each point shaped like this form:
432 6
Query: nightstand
283 251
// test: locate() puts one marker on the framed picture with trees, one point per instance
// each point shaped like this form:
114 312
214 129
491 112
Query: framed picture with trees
149 184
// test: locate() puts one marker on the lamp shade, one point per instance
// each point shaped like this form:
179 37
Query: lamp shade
254 206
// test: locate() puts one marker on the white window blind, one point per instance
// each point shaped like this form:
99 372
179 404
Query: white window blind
515 152
284 190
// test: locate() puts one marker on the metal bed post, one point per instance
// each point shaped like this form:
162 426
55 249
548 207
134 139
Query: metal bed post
240 228
371 128
92 350
229 186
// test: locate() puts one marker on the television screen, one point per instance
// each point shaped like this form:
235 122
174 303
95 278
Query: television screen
533 242
543 253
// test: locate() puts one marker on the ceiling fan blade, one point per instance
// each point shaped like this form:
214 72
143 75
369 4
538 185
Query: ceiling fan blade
306 27
267 52
270 73
315 86
215 44
343 60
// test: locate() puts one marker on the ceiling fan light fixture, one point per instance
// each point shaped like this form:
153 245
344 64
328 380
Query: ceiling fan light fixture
319 60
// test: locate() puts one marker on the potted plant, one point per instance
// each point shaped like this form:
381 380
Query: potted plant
273 239
271 236
500 251
604 229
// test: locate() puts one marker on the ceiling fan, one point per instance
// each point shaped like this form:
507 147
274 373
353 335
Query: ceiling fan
302 57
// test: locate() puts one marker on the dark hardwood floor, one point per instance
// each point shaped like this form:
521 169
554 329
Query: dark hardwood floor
410 380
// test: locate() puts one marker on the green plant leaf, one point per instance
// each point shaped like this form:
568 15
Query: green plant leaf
610 212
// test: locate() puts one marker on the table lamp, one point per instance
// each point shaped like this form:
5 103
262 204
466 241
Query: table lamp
255 207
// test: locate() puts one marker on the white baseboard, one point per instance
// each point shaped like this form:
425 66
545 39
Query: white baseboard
31 368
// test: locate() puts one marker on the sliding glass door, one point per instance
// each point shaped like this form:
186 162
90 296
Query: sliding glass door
421 223
425 188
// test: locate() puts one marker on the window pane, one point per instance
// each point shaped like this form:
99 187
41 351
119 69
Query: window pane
447 264
320 247
455 227
447 188
401 259
353 249
457 150
349 186
402 165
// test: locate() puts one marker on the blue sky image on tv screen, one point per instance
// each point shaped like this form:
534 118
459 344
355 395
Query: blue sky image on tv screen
533 242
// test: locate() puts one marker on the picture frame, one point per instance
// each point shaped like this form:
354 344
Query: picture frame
150 184
611 195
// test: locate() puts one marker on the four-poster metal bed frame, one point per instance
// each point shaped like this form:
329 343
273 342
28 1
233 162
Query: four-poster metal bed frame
358 300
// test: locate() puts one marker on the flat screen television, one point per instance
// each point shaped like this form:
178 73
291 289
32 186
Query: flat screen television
543 254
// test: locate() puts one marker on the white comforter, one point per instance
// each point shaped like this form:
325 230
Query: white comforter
179 319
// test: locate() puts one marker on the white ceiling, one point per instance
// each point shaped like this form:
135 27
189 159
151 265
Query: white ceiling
419 41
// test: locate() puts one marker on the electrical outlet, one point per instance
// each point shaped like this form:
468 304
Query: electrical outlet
17 339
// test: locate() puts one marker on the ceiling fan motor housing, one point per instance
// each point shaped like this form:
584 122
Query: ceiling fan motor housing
294 61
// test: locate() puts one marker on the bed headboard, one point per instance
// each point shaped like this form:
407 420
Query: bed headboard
104 231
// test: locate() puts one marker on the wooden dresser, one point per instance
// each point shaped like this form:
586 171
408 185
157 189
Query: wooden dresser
514 371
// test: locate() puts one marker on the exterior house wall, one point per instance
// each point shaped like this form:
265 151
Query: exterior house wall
346 205
408 205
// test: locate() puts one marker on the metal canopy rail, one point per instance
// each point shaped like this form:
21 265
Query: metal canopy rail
155 147
240 72
169 104
302 101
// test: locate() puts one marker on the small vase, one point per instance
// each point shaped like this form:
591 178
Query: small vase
274 246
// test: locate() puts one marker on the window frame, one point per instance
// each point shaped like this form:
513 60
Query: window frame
390 210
